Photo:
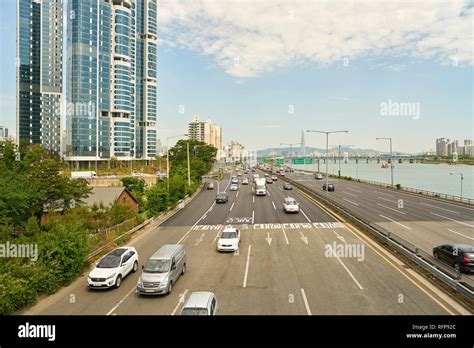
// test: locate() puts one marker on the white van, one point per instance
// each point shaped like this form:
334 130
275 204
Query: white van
162 270
201 303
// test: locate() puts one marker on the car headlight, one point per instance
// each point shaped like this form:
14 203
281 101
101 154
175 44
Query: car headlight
164 282
111 276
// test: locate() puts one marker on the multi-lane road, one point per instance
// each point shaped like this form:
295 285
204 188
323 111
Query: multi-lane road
287 264
422 221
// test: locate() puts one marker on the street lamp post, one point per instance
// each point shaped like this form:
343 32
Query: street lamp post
462 178
391 160
339 155
168 157
327 148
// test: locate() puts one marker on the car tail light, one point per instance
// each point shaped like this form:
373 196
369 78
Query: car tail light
466 260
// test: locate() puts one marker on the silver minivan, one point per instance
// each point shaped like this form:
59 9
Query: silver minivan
162 270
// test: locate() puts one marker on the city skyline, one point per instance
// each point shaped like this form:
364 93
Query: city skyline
307 89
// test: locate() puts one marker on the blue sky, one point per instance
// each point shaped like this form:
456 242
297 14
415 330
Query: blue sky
247 73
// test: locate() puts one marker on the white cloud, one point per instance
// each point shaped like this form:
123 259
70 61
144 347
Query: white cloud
249 38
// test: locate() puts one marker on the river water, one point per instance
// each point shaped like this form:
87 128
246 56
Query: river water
430 177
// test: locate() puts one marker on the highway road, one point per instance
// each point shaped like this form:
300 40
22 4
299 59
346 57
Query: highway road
286 265
422 221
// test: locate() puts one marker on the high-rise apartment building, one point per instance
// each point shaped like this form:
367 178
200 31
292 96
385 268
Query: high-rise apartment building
3 132
39 72
112 79
206 132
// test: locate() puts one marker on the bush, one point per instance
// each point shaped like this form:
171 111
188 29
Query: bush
398 186
15 293
158 199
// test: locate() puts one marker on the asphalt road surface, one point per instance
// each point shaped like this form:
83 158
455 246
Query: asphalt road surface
287 264
422 221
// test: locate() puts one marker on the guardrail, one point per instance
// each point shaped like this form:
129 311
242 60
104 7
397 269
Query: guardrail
446 196
160 219
449 276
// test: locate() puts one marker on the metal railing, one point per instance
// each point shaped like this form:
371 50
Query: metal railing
462 284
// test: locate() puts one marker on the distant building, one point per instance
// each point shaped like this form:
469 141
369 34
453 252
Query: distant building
449 147
206 132
3 132
234 152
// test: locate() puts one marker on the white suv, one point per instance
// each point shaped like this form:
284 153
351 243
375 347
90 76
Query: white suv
113 267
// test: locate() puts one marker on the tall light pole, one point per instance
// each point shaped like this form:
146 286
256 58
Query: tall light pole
189 165
462 178
339 155
327 148
168 157
391 160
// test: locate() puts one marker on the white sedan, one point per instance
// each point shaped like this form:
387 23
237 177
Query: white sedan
113 267
234 187
290 205
229 239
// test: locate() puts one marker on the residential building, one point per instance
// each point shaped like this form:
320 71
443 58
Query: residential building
39 72
3 132
448 147
108 196
234 152
112 80
206 132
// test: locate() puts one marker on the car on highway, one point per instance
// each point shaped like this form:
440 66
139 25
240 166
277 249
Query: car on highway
330 187
210 186
318 176
265 175
222 197
460 256
234 181
162 270
239 174
269 180
274 178
137 175
229 239
234 187
282 173
287 186
113 268
245 181
256 176
290 205
201 303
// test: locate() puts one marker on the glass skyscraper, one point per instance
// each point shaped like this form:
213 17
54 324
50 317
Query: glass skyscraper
112 79
39 72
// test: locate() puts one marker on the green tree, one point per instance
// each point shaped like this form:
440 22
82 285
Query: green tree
134 185
158 199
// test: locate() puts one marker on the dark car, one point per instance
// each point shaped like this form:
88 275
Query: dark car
269 180
329 188
460 256
222 197
287 186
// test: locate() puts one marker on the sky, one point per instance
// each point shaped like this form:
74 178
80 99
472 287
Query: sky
266 70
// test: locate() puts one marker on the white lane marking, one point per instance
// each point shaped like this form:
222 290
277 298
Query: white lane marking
186 234
395 210
237 195
459 222
434 206
274 207
180 300
253 199
305 300
199 239
347 270
353 189
304 238
247 267
268 193
205 216
350 194
395 222
350 201
133 289
269 240
461 234
286 238
383 193
253 217
341 238
232 206
388 200
306 216
217 235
